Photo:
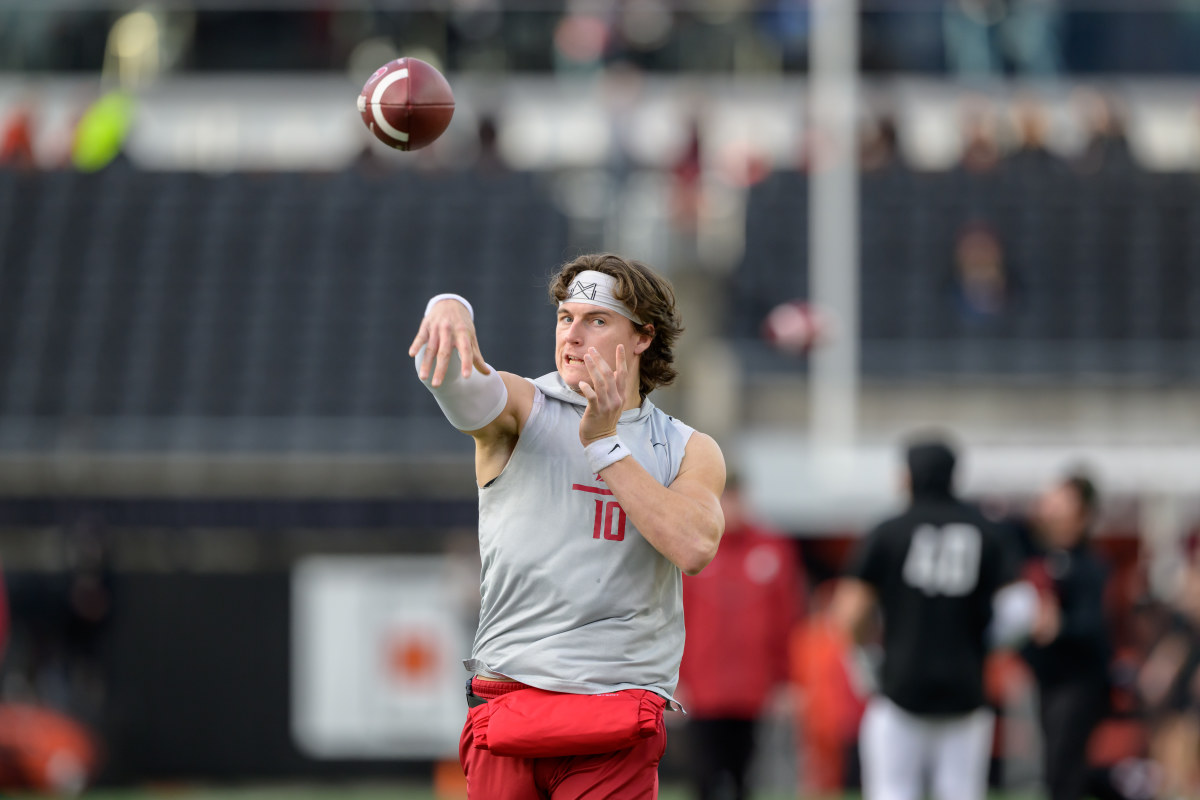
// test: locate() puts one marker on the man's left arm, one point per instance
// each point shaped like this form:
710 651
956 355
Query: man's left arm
682 521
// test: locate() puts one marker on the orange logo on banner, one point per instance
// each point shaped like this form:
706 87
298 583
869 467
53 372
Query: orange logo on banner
412 657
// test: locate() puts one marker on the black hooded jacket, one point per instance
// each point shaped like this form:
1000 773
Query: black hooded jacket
934 569
1081 652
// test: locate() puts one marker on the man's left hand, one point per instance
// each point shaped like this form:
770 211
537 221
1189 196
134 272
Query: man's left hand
605 393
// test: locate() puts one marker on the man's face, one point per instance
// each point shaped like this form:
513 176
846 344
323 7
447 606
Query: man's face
582 326
1060 517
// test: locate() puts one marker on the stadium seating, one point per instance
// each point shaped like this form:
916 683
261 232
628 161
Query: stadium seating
1071 246
264 297
168 304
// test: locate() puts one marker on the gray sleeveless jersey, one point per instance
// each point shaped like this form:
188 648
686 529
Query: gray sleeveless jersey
574 599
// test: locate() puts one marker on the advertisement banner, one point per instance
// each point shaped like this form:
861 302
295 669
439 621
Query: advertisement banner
377 647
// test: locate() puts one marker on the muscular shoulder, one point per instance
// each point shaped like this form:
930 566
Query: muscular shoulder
702 451
702 470
494 444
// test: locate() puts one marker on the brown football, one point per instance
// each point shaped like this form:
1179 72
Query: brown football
406 104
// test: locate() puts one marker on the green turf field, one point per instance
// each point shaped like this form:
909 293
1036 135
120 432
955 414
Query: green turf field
356 792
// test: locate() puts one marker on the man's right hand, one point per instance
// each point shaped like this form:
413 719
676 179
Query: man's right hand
448 327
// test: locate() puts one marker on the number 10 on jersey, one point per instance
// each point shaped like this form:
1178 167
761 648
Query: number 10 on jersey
610 520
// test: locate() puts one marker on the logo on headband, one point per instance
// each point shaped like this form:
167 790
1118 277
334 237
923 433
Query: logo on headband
578 289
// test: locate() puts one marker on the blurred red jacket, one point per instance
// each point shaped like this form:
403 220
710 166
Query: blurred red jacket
739 612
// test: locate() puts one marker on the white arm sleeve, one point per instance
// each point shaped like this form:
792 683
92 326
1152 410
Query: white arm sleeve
469 403
1014 609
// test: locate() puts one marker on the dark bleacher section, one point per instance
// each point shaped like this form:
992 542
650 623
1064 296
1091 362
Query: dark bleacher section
165 302
184 311
1102 270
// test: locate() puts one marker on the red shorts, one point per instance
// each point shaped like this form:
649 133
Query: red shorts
629 774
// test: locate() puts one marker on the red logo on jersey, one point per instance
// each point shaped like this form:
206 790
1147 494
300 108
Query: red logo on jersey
579 487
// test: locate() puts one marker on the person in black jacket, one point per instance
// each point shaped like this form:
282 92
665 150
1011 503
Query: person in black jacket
946 581
1071 662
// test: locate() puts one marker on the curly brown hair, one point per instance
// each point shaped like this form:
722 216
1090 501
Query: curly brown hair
649 295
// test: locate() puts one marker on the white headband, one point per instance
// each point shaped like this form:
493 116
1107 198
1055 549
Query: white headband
596 289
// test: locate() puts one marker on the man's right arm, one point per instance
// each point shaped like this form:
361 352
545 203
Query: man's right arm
856 595
853 602
488 405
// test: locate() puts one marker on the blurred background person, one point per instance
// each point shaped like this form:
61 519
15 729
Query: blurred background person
878 146
16 137
934 572
1032 156
687 184
980 146
1071 663
490 159
987 38
1169 685
982 286
832 680
739 613
1107 147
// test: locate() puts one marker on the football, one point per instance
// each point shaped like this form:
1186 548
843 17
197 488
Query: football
406 103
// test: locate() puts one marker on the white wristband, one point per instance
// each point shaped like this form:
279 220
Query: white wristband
448 296
605 452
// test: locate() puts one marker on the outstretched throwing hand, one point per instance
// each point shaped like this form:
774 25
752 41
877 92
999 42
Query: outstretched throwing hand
605 393
447 328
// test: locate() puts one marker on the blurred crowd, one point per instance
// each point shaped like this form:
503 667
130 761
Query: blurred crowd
1040 38
1025 134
